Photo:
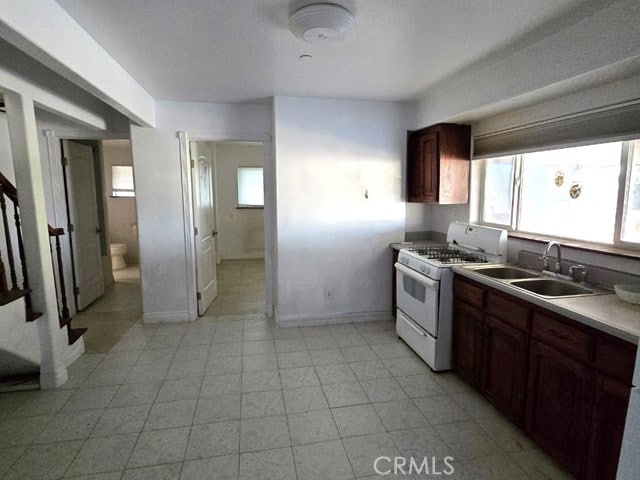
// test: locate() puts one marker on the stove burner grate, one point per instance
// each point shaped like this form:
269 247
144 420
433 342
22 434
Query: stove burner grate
448 255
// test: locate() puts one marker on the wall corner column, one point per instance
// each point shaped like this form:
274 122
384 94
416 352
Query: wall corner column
23 136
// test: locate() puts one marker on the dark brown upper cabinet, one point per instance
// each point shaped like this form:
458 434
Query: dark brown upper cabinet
438 164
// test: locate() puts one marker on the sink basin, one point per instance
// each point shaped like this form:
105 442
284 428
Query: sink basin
551 288
506 273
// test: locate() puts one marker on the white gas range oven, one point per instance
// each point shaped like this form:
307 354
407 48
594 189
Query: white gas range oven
424 283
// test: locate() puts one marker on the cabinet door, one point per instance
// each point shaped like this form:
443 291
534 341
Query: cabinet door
467 341
559 397
422 167
505 367
610 411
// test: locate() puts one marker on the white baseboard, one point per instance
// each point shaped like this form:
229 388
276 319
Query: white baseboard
166 317
310 321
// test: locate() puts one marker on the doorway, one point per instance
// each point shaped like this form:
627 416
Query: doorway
238 225
122 218
105 168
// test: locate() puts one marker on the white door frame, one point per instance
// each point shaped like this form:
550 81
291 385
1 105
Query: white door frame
269 213
57 208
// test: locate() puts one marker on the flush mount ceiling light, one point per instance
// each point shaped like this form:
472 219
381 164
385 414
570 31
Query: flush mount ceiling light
319 22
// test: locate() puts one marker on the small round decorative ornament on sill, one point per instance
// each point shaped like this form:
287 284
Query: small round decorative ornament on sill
559 180
575 190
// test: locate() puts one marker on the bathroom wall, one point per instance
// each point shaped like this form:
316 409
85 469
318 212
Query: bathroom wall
241 231
121 211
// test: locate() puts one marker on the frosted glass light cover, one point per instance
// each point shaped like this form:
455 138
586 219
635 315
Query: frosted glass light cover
321 21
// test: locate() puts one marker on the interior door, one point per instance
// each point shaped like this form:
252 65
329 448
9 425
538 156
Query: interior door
204 222
83 218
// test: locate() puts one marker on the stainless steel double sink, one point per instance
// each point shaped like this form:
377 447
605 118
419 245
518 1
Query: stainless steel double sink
537 283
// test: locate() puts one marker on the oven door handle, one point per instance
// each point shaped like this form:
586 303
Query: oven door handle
426 281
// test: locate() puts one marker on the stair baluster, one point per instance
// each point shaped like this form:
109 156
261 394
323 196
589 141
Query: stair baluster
64 313
23 263
7 236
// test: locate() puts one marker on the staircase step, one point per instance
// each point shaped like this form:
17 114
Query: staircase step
31 316
74 334
15 383
64 321
12 295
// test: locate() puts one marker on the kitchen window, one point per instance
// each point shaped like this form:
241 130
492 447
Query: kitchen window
250 187
588 193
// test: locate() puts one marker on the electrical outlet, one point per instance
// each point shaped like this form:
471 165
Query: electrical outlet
328 294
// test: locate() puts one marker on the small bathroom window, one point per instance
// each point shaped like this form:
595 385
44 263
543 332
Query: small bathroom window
250 187
122 181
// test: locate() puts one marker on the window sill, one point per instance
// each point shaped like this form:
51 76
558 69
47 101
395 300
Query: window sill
249 207
578 245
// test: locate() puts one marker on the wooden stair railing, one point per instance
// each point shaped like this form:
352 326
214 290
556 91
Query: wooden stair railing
12 291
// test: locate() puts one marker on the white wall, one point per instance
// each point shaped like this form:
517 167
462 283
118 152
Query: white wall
156 158
19 344
330 154
240 231
122 210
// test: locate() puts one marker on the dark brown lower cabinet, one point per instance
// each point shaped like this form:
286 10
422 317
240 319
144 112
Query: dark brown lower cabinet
609 415
559 400
565 384
467 331
505 367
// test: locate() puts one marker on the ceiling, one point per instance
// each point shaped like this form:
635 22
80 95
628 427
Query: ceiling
242 50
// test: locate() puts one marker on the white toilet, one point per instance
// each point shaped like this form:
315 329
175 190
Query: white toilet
118 251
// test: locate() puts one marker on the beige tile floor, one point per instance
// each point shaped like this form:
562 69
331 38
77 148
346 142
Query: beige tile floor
235 397
240 288
112 315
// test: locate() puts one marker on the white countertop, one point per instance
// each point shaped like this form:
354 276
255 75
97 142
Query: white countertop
604 312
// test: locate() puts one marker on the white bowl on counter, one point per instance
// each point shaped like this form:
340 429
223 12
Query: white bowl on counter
628 292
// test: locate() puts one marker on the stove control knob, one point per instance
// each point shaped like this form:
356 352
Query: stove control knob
404 260
423 269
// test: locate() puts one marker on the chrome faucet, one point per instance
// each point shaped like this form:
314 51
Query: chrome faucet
557 268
